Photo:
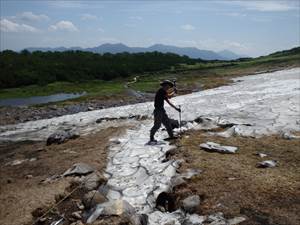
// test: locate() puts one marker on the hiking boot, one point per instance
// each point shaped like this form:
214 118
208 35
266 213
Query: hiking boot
152 142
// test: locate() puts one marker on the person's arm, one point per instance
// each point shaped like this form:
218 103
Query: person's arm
167 100
171 93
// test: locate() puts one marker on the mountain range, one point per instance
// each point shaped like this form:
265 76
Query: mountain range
191 52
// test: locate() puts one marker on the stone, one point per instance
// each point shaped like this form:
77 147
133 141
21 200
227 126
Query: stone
189 173
216 219
93 180
289 136
77 223
79 169
113 195
53 107
42 220
236 220
176 181
115 141
173 218
113 208
18 162
61 137
261 155
93 198
191 203
215 147
219 222
194 219
69 151
206 123
80 205
50 179
76 215
58 222
99 120
29 176
267 164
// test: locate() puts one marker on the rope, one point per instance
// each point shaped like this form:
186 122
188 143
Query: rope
56 204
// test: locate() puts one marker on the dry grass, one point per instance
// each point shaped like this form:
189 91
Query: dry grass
231 183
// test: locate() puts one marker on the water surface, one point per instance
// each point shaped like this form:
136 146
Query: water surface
39 99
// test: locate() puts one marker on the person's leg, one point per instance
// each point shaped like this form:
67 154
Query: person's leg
157 123
167 124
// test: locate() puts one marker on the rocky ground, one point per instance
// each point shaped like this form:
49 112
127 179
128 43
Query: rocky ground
28 187
233 183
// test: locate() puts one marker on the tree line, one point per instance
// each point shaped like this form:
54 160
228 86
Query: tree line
25 68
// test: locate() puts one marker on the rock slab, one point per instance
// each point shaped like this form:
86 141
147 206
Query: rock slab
79 169
215 147
191 203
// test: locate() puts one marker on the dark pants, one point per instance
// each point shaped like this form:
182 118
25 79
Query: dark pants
160 117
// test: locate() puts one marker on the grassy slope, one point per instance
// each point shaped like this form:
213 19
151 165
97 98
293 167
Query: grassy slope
189 77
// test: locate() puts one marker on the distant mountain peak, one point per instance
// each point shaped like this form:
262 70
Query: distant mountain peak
113 48
227 54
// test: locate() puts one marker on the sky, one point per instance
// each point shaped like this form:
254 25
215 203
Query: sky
246 27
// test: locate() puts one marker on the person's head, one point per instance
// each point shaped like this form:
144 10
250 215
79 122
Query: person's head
166 84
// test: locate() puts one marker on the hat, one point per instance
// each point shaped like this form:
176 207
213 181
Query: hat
166 82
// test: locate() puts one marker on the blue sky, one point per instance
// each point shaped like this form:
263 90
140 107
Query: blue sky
246 27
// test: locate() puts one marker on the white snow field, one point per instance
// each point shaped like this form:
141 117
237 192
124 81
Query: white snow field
253 106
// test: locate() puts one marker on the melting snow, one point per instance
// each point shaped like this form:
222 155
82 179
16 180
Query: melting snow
258 105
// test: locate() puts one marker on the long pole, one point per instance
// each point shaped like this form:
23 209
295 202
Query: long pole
180 119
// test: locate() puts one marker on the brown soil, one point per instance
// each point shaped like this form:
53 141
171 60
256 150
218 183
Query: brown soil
231 183
20 195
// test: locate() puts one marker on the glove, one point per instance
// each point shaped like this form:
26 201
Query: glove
178 109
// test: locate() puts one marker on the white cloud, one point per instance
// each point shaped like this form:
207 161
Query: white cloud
100 29
261 20
187 27
88 16
108 40
234 14
74 4
139 18
235 45
63 26
131 25
267 5
9 26
31 17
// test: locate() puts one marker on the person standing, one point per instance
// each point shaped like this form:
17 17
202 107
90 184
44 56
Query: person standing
160 115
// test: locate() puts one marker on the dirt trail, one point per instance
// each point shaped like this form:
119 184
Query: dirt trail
21 190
